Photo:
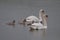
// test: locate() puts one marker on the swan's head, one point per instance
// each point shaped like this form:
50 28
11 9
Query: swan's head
42 10
46 17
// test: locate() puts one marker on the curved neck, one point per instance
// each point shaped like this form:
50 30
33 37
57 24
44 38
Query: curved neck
40 18
44 20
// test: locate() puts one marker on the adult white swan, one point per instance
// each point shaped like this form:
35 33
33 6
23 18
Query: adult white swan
42 25
32 18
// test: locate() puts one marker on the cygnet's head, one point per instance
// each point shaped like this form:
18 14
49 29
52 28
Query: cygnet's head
24 20
13 21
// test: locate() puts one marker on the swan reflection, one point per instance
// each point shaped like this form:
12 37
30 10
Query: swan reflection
38 34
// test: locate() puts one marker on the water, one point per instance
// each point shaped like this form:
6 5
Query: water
17 9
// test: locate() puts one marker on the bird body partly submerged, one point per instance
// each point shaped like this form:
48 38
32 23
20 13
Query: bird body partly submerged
39 25
11 23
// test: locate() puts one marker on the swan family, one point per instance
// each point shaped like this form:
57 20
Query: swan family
35 22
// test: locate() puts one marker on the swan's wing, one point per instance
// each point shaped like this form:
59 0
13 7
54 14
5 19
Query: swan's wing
36 26
32 18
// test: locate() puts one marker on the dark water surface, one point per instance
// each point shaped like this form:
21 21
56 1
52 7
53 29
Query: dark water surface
17 9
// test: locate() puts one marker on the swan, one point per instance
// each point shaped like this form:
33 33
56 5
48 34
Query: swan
39 25
29 19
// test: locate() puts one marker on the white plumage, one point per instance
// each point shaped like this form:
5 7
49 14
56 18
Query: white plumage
40 25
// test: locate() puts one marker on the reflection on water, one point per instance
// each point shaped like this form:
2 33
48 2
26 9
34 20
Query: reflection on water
40 34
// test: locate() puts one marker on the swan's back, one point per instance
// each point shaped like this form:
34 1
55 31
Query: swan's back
37 24
34 18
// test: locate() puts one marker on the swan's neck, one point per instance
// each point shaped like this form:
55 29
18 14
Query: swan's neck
40 18
44 20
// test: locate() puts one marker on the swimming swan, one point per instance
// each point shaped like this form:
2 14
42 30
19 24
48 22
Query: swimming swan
29 19
42 25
